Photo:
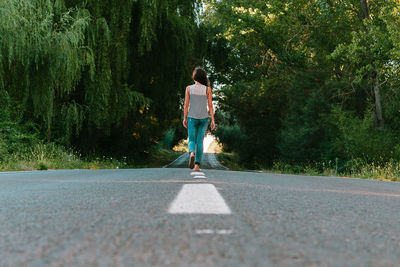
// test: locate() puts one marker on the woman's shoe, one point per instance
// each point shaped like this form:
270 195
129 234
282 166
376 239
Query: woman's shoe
191 161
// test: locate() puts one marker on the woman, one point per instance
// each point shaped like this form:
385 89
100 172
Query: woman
197 97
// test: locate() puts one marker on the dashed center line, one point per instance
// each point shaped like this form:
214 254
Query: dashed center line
197 173
199 199
211 231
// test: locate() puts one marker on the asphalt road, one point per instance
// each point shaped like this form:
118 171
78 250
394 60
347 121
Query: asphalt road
209 161
175 217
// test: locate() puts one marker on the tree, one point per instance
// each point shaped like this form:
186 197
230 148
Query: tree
103 76
326 55
42 53
369 51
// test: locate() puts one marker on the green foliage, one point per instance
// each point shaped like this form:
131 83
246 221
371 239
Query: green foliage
42 156
105 77
231 137
167 141
308 130
42 53
307 81
257 107
356 168
14 138
358 139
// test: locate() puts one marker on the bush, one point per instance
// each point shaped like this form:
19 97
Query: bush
358 139
307 129
41 166
231 137
168 139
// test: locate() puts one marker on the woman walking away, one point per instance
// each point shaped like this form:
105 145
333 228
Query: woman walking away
198 96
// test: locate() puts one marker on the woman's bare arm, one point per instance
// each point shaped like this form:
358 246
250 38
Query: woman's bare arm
186 107
210 108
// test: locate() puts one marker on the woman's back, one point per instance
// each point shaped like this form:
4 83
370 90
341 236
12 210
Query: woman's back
198 102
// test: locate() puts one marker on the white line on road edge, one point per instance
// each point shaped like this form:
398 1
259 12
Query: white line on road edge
179 159
197 173
199 199
214 162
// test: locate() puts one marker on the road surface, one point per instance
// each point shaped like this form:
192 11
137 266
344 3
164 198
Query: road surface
176 217
209 161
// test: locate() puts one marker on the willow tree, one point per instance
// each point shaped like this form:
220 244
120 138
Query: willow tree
142 51
100 75
42 54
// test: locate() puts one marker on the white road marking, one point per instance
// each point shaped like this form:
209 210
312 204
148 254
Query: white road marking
211 231
200 177
224 232
197 173
199 199
204 231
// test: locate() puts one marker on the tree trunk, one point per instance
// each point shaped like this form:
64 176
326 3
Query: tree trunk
378 117
48 132
365 9
378 104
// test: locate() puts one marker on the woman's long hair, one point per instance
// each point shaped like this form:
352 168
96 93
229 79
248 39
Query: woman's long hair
200 76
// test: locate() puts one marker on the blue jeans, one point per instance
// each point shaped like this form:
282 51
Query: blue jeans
196 130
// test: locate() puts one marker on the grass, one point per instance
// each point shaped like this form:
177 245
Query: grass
50 156
387 171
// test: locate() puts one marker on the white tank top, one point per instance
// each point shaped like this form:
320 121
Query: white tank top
198 102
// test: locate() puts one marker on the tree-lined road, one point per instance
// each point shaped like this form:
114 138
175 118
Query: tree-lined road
209 161
177 217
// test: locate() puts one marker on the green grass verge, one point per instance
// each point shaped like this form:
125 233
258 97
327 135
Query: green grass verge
387 171
50 156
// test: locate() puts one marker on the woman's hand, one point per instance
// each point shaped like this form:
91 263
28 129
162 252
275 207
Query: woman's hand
212 125
185 123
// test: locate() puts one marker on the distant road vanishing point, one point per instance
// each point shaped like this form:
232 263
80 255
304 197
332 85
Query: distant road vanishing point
209 160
